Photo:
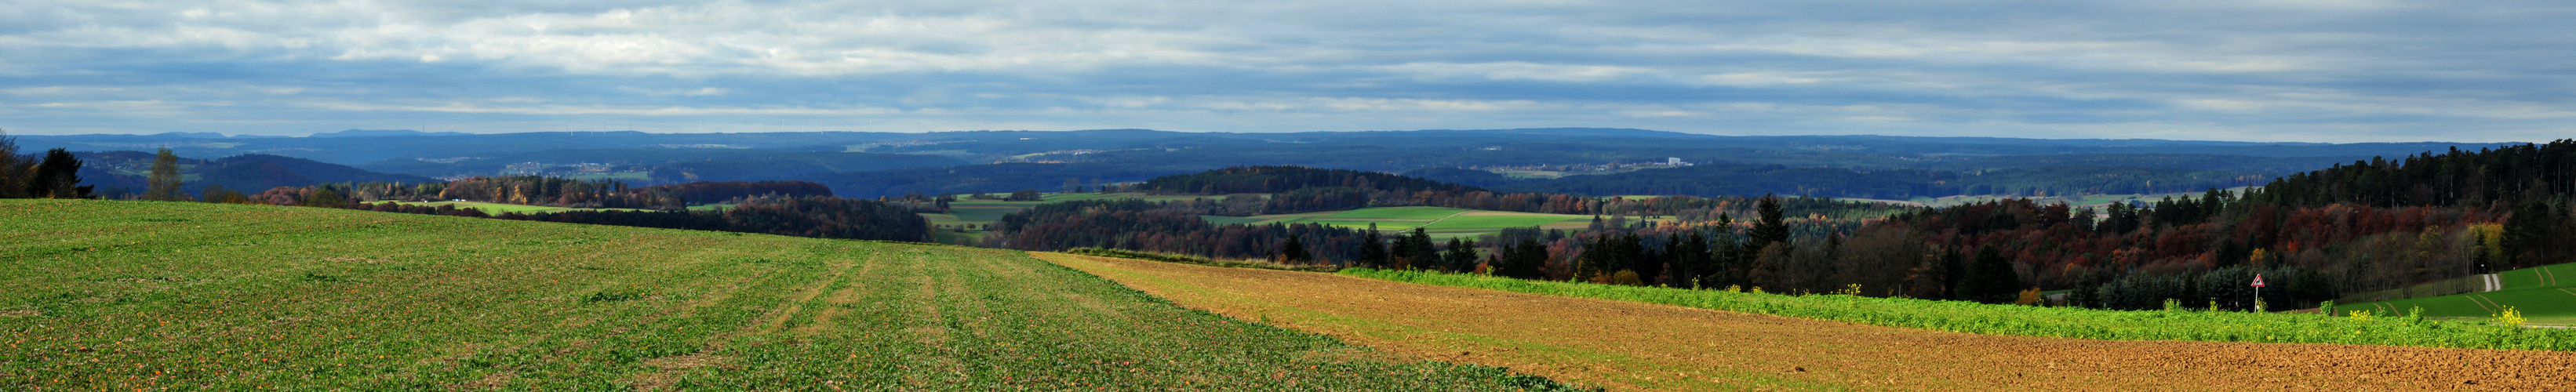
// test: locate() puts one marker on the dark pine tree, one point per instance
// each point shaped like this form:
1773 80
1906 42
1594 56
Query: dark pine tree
1990 279
1372 249
1525 260
1461 256
1770 228
1417 251
1294 251
58 177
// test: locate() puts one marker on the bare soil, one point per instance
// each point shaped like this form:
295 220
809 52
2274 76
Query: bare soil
1637 346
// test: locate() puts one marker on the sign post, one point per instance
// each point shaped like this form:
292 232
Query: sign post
2258 293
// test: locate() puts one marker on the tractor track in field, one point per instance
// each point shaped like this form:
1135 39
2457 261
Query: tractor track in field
1638 346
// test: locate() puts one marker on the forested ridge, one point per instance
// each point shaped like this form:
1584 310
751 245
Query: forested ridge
2353 230
1276 179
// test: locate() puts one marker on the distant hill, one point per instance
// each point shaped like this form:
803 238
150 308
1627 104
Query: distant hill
1277 179
200 135
258 172
117 173
1854 165
385 133
993 178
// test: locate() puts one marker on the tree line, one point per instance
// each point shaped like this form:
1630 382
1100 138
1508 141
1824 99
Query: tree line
55 174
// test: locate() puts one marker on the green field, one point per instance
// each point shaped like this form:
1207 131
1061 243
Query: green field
2080 323
1501 221
2544 294
1395 213
117 295
981 214
957 238
1386 218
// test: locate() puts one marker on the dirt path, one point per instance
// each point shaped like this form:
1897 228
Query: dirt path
1635 346
1433 221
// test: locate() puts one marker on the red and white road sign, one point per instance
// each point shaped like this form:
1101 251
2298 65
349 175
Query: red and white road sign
2258 280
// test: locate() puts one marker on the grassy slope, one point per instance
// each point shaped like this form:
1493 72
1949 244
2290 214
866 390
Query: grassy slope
142 295
2545 294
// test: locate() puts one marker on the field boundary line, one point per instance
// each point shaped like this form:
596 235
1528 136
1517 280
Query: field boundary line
1433 221
2482 302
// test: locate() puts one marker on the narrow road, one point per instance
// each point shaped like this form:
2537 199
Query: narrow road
1636 346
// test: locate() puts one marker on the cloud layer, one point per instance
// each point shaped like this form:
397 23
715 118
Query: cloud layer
2303 70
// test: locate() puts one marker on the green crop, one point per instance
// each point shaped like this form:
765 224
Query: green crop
105 295
1970 317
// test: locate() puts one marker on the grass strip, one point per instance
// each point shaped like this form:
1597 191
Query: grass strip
1189 259
2081 323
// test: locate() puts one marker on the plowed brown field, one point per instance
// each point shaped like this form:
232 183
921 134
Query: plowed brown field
1636 346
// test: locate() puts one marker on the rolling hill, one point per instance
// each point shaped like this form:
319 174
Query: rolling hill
99 295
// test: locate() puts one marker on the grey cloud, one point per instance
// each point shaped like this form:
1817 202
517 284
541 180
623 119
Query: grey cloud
2247 70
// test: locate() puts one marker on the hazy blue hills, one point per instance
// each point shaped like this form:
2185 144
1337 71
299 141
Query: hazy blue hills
1592 160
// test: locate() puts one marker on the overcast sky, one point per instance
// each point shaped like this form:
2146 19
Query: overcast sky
2265 70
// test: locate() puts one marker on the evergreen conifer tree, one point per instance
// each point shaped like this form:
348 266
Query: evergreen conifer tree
1295 251
1770 227
1990 279
58 177
1417 250
1372 249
